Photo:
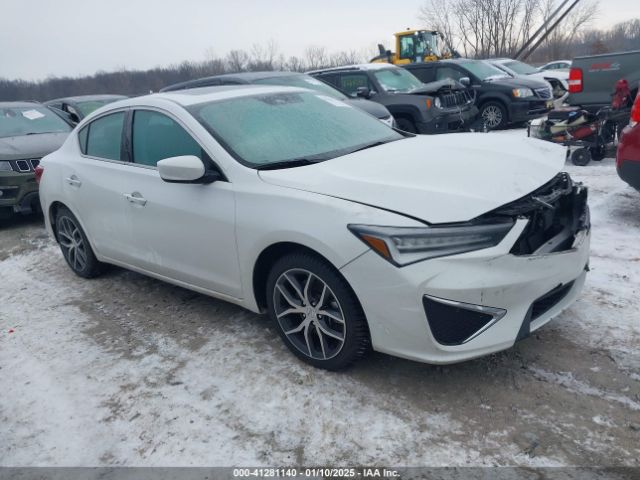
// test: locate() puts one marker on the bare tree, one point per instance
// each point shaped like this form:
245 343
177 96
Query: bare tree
316 57
495 28
237 60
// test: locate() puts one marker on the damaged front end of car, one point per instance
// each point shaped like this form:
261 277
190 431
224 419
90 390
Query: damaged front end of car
556 212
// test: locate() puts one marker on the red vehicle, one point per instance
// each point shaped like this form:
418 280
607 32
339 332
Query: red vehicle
628 157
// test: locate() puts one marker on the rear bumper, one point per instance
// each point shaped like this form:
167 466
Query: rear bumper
628 156
449 121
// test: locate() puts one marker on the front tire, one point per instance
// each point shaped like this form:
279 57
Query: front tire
75 246
315 312
494 115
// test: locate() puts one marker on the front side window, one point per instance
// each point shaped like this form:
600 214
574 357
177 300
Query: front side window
30 120
269 128
449 72
351 82
104 137
156 137
397 80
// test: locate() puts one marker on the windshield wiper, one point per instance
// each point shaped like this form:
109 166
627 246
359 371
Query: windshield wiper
371 145
296 162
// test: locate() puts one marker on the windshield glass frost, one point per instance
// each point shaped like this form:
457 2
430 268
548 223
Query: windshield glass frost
263 129
483 70
17 121
303 81
520 68
397 80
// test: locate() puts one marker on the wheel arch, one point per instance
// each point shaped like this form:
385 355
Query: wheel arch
51 213
270 255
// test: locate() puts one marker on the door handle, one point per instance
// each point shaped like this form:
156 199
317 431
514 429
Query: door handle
136 198
73 181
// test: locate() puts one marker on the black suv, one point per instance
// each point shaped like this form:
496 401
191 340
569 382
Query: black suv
439 107
501 99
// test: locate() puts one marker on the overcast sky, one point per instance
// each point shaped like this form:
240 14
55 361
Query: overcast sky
39 38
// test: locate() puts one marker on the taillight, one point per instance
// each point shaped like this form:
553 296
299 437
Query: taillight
575 80
635 112
39 170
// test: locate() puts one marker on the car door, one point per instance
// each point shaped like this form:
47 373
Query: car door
92 184
185 232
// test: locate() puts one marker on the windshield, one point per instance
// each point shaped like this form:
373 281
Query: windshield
262 129
89 106
483 70
304 81
397 80
29 120
520 68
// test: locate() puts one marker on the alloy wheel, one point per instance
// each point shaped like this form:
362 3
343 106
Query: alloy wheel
309 314
72 244
492 116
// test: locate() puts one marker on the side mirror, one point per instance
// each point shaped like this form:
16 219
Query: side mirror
466 81
184 169
363 92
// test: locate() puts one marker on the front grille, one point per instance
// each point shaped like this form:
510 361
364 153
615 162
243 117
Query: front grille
456 98
24 166
549 300
544 93
556 212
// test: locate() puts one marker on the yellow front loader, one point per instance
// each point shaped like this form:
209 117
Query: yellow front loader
414 46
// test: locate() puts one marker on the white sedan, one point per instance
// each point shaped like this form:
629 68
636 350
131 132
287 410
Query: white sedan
348 233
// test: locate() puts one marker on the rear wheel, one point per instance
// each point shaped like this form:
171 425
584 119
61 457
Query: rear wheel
581 157
315 312
406 125
75 246
493 115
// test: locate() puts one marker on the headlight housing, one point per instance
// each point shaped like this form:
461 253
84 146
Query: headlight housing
437 102
5 166
522 92
406 245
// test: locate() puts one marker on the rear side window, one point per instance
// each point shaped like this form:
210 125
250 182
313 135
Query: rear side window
102 138
425 75
156 137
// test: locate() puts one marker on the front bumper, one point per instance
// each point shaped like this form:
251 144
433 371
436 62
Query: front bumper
521 292
18 191
522 111
450 120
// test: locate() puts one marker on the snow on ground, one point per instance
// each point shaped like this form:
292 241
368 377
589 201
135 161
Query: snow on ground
126 370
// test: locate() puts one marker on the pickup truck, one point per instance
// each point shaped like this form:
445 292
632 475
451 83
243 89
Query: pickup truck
592 78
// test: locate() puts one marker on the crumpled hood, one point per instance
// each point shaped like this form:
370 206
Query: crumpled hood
438 179
31 146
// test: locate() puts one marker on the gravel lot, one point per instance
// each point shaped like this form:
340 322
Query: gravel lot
126 370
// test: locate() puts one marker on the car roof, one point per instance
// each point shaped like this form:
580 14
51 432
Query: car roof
88 98
241 77
194 96
354 67
20 104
